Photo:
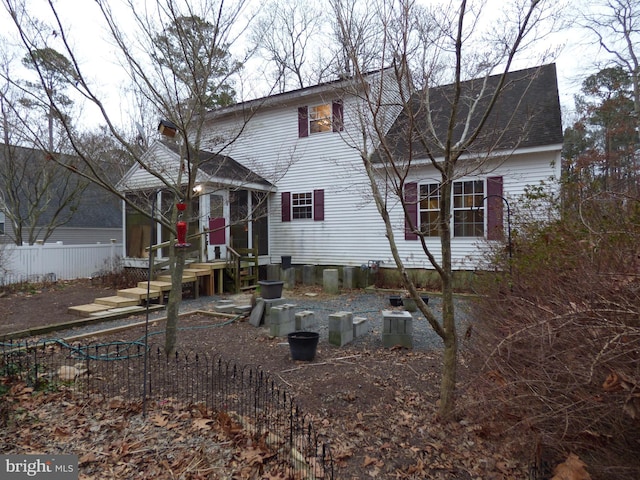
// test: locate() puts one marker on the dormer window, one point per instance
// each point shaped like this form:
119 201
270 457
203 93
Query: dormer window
326 117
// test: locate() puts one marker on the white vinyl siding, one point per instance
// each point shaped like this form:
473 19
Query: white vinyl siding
352 232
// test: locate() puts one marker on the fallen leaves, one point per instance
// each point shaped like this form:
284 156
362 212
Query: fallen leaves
118 442
571 469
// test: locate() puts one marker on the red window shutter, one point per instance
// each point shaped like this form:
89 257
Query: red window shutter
217 235
286 206
338 116
318 205
303 122
411 203
495 209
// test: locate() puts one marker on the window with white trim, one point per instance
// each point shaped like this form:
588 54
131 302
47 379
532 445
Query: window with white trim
429 208
468 208
302 205
320 118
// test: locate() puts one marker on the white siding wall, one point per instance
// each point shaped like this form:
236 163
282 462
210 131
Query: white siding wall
352 232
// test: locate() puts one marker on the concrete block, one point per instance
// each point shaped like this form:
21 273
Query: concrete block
305 320
340 328
242 309
224 308
288 276
341 321
390 340
308 274
330 281
268 304
348 277
340 339
257 313
273 272
282 321
397 328
360 326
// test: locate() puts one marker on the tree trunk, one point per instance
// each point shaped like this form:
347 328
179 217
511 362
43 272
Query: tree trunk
450 355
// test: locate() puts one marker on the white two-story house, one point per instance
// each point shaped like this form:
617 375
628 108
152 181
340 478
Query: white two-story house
303 150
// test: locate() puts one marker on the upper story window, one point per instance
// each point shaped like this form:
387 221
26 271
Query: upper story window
326 117
320 118
2 220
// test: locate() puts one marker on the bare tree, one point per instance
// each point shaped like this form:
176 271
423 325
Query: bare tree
615 24
177 60
450 129
287 34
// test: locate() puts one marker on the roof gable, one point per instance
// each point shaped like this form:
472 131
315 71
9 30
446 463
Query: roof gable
164 157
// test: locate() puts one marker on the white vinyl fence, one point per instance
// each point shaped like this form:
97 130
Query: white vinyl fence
51 262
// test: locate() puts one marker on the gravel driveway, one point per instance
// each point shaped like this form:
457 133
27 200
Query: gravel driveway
361 304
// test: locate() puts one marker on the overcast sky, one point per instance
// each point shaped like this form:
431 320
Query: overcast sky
575 61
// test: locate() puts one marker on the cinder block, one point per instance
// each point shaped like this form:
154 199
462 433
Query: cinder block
340 339
288 276
348 277
308 274
268 304
330 281
397 328
390 340
340 321
225 308
282 321
305 320
360 326
340 328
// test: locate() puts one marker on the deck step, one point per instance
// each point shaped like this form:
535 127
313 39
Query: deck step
198 272
88 309
156 285
139 293
185 278
116 301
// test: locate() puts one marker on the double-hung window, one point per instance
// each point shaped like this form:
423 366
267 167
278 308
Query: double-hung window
468 208
2 221
429 208
320 118
301 205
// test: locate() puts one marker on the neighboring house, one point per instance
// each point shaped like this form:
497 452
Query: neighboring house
320 210
95 216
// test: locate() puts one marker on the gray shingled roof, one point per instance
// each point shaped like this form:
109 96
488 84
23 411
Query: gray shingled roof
223 166
96 208
527 114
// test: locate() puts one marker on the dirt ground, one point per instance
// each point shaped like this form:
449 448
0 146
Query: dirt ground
378 406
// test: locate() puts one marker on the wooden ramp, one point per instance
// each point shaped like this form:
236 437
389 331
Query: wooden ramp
200 276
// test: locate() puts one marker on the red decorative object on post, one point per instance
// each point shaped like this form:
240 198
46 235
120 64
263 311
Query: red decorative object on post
181 227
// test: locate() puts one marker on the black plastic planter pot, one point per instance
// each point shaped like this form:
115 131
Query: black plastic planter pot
270 289
395 300
303 345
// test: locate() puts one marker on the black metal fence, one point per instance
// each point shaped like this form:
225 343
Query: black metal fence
255 400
